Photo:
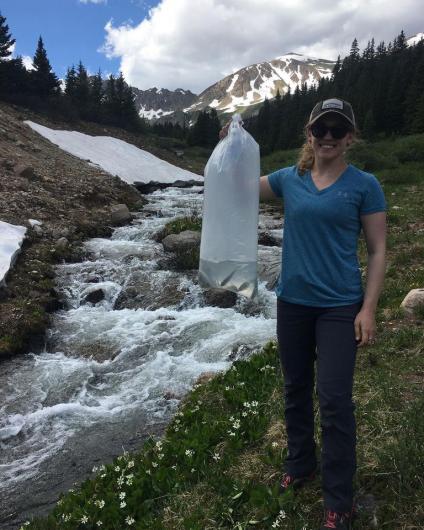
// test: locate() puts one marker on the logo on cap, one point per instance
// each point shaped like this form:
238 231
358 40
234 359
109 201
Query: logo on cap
332 104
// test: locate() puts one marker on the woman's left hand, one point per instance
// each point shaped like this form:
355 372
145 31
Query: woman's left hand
365 327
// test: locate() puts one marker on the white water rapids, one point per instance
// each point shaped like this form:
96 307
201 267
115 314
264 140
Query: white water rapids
65 409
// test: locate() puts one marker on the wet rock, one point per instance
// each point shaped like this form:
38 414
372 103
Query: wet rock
205 377
120 214
268 240
145 290
412 301
220 298
95 296
240 352
269 264
62 243
150 187
184 241
171 395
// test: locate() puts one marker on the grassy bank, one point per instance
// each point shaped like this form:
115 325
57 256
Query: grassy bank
219 463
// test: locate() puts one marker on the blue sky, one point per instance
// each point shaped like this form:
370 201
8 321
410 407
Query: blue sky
192 44
71 30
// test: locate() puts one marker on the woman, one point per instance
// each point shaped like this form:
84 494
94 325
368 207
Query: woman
322 312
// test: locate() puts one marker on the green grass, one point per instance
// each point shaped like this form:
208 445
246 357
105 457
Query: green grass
219 462
180 224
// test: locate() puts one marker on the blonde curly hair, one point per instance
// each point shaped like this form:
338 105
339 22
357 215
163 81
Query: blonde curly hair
306 157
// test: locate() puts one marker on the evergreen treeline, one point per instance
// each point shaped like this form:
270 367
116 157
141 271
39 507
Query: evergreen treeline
383 83
84 97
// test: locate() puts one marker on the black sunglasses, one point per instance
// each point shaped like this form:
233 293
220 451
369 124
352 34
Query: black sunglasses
319 130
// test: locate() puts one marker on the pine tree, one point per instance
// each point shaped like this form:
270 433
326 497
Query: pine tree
81 90
381 50
110 105
214 126
96 97
399 43
14 80
417 125
354 50
45 82
6 41
369 127
70 82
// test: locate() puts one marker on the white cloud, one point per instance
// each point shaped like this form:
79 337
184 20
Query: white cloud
27 60
192 44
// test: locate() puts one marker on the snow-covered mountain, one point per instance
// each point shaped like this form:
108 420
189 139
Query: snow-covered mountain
251 85
153 104
415 39
241 90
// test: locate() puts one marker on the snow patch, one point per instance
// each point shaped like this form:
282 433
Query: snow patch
153 114
115 156
415 39
233 82
11 237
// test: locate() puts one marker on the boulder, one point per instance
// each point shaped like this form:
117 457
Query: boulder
205 377
219 298
150 187
412 301
186 240
269 264
95 296
24 171
120 214
62 243
151 290
269 240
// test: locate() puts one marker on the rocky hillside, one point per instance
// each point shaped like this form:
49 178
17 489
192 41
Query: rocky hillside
71 198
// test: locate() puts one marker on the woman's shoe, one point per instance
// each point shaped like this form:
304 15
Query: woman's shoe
338 520
288 481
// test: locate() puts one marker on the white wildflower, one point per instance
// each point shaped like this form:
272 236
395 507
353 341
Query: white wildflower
130 521
123 504
122 495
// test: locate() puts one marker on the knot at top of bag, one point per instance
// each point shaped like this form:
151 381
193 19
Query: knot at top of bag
236 121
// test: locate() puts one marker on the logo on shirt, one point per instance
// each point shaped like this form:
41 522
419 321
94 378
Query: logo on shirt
343 194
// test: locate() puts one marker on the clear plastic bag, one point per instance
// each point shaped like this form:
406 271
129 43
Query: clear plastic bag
229 243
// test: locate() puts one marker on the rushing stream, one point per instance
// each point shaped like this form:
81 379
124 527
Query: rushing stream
113 373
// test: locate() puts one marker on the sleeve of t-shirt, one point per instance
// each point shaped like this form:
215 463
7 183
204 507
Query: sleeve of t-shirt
276 181
373 200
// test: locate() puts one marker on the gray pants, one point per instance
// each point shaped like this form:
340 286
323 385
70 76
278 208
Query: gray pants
327 335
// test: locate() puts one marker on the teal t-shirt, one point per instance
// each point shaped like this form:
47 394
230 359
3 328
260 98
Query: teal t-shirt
321 229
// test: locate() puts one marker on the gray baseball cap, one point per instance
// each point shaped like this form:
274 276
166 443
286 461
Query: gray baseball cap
339 106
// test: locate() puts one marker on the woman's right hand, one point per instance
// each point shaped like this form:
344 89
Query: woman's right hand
224 131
